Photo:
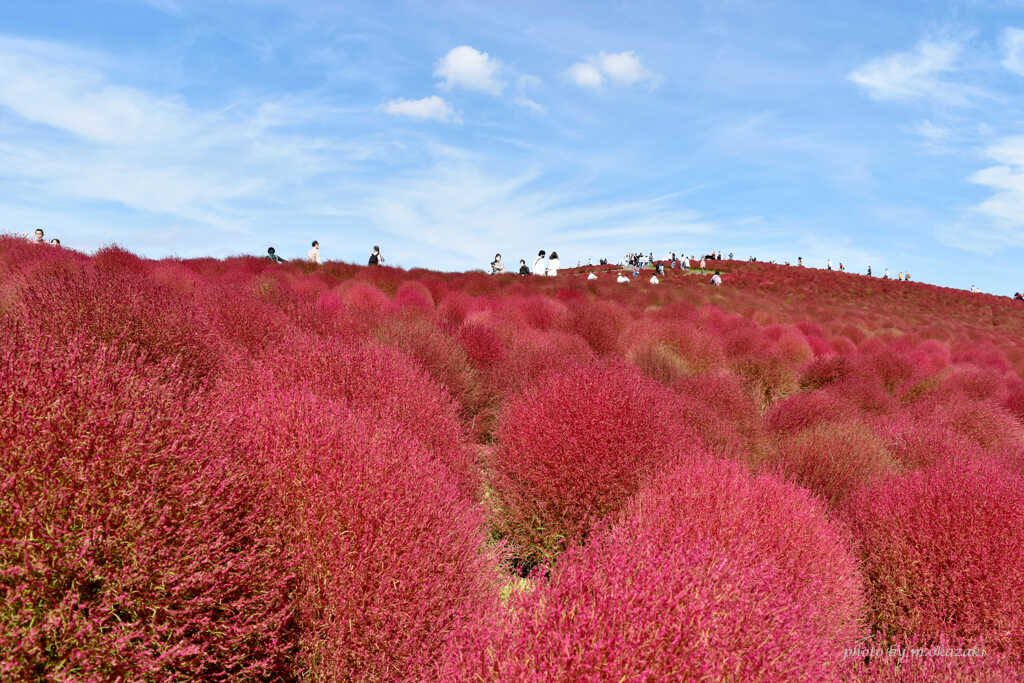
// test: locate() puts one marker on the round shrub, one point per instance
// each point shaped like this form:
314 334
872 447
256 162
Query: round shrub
941 551
711 574
392 555
834 458
574 447
132 544
806 409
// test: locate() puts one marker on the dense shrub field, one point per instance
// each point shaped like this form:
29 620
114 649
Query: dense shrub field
239 470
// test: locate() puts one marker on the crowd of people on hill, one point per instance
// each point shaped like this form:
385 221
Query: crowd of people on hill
549 265
542 265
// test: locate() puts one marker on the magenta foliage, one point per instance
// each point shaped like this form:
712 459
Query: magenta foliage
574 447
942 553
711 574
133 545
391 553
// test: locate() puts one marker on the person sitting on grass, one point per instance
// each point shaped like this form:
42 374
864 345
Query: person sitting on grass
622 279
716 279
273 257
654 280
592 276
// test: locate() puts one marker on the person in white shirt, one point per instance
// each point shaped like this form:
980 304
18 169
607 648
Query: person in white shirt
313 256
592 276
654 280
622 279
497 265
716 279
539 263
553 264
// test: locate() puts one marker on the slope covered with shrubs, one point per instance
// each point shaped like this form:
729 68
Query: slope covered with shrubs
242 470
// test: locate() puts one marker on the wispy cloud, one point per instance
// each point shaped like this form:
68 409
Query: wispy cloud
468 68
432 107
622 68
1013 50
920 73
1006 180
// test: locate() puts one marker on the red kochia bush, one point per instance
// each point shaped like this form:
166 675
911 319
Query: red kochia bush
942 554
834 458
601 323
712 574
132 545
806 409
574 447
392 554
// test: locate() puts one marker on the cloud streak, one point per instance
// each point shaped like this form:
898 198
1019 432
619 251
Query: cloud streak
432 107
920 73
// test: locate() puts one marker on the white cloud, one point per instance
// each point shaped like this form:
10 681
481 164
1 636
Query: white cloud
916 74
585 75
130 148
622 68
625 68
466 67
432 107
1013 50
65 90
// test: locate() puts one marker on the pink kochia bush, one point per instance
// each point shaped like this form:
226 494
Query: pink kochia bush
942 554
574 447
132 544
710 574
390 553
835 458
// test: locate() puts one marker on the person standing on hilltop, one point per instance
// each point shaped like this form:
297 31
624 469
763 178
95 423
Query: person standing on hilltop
375 257
540 265
553 265
497 265
828 264
313 256
869 271
523 268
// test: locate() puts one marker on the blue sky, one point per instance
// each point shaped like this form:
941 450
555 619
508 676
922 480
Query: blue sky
883 133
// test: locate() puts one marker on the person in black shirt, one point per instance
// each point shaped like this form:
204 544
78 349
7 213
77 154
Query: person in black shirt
375 258
273 257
